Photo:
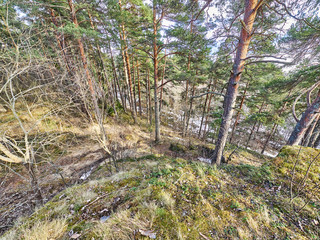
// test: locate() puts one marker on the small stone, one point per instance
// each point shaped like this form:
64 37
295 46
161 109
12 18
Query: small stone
104 218
75 236
148 233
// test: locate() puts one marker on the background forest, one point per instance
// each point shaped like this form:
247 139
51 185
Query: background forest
87 87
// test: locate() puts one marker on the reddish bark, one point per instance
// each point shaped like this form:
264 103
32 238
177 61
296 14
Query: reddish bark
139 89
251 8
60 41
127 62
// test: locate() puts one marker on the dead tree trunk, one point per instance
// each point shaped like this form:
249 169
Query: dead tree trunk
251 8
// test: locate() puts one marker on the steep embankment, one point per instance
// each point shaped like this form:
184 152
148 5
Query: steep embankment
171 198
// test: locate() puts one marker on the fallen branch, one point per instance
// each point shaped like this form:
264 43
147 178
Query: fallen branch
220 94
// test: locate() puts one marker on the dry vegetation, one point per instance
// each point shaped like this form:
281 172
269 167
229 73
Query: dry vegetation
160 191
173 198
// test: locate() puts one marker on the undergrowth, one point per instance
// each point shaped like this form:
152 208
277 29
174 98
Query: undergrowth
171 198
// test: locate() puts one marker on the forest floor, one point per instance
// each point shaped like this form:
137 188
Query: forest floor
160 191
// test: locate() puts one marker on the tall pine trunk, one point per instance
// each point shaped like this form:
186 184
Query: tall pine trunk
185 116
139 88
239 112
155 71
127 66
206 121
204 110
134 85
254 126
149 96
110 86
190 109
84 61
61 43
251 8
162 80
117 79
305 121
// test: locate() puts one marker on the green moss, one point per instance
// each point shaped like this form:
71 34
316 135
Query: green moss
180 199
252 173
176 147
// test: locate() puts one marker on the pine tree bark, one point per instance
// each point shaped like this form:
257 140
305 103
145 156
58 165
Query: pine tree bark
139 89
309 132
162 80
251 8
126 85
149 95
273 130
155 70
84 60
275 125
239 112
127 64
315 135
111 90
317 141
254 126
134 86
306 119
185 116
117 79
204 110
207 117
190 109
60 42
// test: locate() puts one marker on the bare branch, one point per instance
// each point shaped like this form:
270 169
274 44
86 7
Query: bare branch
220 94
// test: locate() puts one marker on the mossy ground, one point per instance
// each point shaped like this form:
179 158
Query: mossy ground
174 198
171 195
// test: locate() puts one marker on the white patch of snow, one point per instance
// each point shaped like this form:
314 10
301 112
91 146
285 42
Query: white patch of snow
206 160
86 174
